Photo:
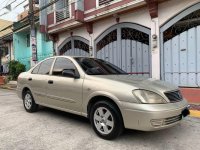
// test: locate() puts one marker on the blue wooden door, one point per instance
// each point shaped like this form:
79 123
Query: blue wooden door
127 47
182 58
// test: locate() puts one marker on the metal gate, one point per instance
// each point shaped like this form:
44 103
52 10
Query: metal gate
74 46
127 46
181 49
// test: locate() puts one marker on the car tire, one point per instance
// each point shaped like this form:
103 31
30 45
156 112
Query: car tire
106 120
29 102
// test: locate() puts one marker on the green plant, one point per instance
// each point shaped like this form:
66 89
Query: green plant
15 68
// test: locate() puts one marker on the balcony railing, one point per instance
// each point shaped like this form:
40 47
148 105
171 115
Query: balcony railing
62 14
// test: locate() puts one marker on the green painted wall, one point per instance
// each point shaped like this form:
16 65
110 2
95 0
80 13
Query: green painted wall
44 47
23 53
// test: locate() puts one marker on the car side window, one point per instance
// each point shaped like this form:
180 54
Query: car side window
62 64
45 66
36 69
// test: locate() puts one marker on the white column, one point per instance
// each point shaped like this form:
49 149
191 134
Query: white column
55 49
155 48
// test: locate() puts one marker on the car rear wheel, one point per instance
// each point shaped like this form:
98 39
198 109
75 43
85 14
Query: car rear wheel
29 103
106 120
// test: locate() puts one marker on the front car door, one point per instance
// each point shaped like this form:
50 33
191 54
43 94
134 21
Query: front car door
38 80
64 92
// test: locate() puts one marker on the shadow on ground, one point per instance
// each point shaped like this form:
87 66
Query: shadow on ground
127 134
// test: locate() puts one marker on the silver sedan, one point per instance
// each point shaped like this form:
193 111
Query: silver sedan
108 96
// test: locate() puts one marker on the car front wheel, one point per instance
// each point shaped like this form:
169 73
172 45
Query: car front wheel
106 120
29 103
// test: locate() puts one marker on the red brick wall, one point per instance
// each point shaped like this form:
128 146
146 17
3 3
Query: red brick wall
1 80
50 18
191 94
89 4
42 28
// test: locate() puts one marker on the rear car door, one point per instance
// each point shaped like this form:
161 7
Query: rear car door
64 92
38 80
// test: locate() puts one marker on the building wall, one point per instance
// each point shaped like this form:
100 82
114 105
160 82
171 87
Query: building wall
171 8
101 25
89 4
23 53
76 32
132 16
166 10
141 16
44 46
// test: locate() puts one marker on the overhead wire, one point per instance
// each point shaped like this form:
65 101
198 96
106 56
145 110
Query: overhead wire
6 4
3 8
19 4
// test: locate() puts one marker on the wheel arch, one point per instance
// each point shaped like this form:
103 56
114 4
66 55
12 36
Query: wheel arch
98 98
24 90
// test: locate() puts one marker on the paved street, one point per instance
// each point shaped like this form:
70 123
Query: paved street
51 129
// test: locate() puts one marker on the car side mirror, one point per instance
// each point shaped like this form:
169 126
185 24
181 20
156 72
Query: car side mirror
70 73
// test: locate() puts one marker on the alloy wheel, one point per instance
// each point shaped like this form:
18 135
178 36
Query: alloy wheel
28 101
103 120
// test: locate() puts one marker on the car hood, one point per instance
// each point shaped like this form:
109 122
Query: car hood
141 82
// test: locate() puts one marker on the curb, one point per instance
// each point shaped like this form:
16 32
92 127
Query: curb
195 113
6 87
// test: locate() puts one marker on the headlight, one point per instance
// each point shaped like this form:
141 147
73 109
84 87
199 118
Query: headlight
148 97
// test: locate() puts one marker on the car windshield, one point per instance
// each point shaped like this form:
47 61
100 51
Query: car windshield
93 66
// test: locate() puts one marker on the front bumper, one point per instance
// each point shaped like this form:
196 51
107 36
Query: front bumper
150 117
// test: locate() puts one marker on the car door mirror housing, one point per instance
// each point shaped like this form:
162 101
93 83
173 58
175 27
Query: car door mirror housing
70 73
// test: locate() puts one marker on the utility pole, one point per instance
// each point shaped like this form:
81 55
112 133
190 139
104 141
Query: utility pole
33 42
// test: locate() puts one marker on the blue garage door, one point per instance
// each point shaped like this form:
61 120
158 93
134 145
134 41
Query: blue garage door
127 46
182 58
181 48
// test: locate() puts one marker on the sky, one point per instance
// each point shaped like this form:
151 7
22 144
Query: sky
11 15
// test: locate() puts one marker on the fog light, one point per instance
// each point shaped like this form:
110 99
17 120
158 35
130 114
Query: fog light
157 122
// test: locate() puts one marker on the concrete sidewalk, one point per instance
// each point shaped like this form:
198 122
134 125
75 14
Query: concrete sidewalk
11 85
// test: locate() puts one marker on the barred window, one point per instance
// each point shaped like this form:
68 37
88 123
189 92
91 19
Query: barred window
50 8
109 38
132 34
186 23
102 2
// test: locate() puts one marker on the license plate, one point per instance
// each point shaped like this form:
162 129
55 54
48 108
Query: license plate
185 112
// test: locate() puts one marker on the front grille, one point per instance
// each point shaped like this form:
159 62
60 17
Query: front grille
171 120
174 96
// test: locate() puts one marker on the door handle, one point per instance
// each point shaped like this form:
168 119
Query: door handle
50 81
30 79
